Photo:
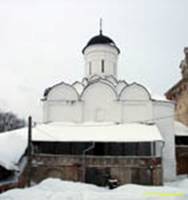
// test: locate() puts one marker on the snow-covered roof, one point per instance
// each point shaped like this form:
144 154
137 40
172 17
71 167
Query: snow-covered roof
96 133
159 97
78 86
180 129
12 146
14 143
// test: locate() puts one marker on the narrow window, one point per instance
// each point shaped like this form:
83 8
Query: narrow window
102 66
114 68
90 68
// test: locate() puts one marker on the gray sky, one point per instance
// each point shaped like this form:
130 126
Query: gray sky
41 43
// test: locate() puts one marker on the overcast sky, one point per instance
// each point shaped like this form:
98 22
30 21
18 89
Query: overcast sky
41 43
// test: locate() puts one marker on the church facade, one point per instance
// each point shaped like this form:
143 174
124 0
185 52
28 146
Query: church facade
102 98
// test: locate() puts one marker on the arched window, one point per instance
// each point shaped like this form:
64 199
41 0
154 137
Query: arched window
102 66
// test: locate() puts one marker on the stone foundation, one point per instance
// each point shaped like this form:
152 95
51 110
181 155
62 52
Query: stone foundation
97 169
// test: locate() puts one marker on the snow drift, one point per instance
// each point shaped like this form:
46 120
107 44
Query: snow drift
55 189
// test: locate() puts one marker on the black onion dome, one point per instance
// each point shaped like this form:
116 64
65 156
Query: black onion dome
101 39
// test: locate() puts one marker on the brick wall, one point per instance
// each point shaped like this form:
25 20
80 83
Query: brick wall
18 179
95 169
182 159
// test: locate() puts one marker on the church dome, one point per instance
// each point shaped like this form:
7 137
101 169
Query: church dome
101 39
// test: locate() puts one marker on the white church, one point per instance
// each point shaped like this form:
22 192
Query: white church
100 98
102 127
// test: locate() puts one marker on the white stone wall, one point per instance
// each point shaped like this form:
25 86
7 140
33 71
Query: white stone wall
100 103
65 111
62 104
136 104
136 111
163 113
63 92
93 56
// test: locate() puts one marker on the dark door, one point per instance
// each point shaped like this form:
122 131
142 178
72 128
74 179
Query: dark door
97 176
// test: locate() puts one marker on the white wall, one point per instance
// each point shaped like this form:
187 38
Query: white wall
136 104
63 91
94 54
65 111
136 111
100 103
163 113
62 104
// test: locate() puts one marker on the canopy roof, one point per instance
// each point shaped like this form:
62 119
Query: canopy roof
14 143
96 133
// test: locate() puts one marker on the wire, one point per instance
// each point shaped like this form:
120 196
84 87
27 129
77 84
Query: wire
139 121
144 121
159 118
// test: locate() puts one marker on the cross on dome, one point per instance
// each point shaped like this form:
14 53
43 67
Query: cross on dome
100 26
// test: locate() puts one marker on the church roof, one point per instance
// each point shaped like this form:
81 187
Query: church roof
101 39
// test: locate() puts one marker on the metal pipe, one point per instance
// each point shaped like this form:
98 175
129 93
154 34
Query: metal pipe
92 146
162 148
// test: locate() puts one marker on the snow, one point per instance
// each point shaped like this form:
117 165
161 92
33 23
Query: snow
112 79
94 78
95 133
85 82
182 183
180 129
158 97
55 189
12 146
120 86
78 86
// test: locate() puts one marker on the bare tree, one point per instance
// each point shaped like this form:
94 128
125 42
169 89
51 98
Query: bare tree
9 121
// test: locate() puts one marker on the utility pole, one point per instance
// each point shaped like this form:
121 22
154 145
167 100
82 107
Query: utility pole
29 149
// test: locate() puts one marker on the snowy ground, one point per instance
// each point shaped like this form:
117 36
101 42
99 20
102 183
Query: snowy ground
55 189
